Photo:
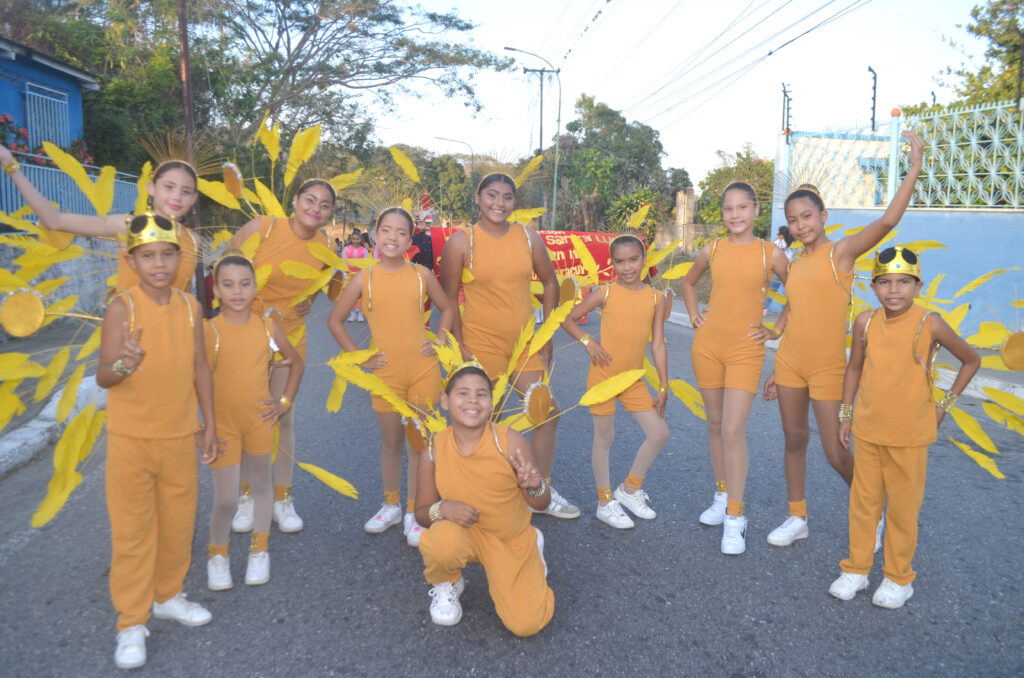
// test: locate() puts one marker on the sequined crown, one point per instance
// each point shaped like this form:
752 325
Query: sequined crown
897 260
146 228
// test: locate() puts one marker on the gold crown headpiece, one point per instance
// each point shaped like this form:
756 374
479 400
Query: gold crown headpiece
231 252
148 227
318 181
458 368
394 208
629 234
815 178
897 260
200 155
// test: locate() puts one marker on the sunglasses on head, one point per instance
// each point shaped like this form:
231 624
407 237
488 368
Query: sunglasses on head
888 255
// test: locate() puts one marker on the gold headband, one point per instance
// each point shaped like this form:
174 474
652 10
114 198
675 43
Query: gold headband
461 366
507 179
630 234
232 252
395 208
320 182
899 263
146 228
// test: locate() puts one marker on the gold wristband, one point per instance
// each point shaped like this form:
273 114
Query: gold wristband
435 512
845 413
121 370
539 490
663 389
948 400
286 403
12 166
585 340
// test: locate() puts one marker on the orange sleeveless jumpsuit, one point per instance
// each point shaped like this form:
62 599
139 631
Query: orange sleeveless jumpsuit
498 298
127 277
151 472
503 540
893 424
239 357
626 321
393 306
278 243
723 356
812 351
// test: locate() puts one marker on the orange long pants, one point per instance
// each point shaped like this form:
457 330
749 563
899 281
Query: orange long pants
151 497
880 473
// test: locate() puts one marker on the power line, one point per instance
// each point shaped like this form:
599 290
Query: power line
579 24
553 27
640 42
596 17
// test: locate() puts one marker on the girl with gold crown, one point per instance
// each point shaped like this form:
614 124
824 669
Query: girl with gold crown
173 193
811 359
240 347
501 258
893 421
153 363
281 240
728 350
392 292
633 312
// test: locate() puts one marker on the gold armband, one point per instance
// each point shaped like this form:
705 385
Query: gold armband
286 403
948 400
12 166
585 340
845 413
435 512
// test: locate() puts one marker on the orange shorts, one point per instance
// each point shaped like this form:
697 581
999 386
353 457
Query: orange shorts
736 367
495 360
636 398
824 383
422 388
257 441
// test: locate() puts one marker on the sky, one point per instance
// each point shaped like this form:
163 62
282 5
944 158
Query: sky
687 68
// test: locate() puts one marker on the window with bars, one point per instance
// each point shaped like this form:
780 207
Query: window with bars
46 115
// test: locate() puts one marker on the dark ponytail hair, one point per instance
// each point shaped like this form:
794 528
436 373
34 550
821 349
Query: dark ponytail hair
740 186
808 193
495 178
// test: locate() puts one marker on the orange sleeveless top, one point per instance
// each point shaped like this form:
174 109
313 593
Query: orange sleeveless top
393 304
158 400
278 243
239 357
127 277
483 479
498 298
739 280
626 321
894 403
819 301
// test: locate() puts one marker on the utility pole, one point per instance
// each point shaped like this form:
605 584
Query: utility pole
540 185
787 101
874 96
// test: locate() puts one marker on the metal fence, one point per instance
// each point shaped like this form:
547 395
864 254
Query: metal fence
46 115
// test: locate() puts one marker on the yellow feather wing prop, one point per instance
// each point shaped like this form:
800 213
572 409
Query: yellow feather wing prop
677 271
69 396
74 445
250 245
403 161
610 387
355 357
586 258
91 344
263 275
38 257
10 404
522 341
525 216
651 374
54 310
654 257
336 483
990 334
70 166
10 282
53 372
326 255
832 228
48 286
342 181
216 190
1007 400
297 269
336 395
993 362
15 366
638 217
145 176
690 396
372 383
271 206
319 283
972 428
221 237
977 282
528 171
103 192
270 137
979 458
550 325
302 149
1004 418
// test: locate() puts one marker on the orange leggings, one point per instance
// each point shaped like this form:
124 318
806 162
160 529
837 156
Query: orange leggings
151 498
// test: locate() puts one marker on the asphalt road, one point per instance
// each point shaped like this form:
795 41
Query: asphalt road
659 599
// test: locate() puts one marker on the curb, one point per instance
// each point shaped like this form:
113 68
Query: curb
30 440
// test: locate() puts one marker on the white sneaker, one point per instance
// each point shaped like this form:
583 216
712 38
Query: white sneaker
715 514
879 531
412 530
734 532
242 522
387 515
891 595
612 514
285 516
445 609
559 507
218 573
183 611
847 586
788 532
540 549
131 647
636 503
257 571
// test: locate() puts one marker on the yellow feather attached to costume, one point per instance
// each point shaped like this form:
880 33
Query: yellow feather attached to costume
610 387
1007 400
53 372
981 280
250 246
342 181
91 344
39 256
74 446
528 171
525 216
271 206
637 218
48 286
263 275
919 246
522 341
651 374
69 396
101 193
336 395
654 257
17 366
372 383
10 282
980 459
403 161
326 255
956 316
1004 418
550 326
689 396
10 404
220 237
586 258
270 137
972 428
302 149
677 271
216 190
145 176
336 483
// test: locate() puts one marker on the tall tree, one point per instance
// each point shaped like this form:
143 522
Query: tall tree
745 166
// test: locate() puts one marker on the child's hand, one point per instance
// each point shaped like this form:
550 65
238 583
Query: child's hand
940 414
527 475
771 392
660 401
275 410
131 353
375 361
701 318
916 146
427 348
304 307
762 334
209 445
5 155
598 356
459 513
844 433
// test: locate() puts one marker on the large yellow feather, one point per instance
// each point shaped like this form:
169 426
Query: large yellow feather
637 218
250 245
303 147
550 326
326 255
10 282
651 374
15 366
677 271
525 216
39 256
53 372
221 237
1004 418
919 246
980 459
69 396
994 362
933 286
270 137
1007 400
91 344
263 275
972 428
342 181
610 387
103 191
336 483
529 170
586 258
654 257
984 279
74 444
689 396
48 286
319 283
70 166
336 395
10 404
145 176
271 206
298 269
956 316
372 383
522 341
216 190
403 161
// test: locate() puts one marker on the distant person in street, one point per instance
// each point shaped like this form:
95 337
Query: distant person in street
893 421
632 312
422 240
811 359
783 241
355 249
728 350
477 483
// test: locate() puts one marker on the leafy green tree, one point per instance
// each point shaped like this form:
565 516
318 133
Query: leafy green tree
623 207
743 166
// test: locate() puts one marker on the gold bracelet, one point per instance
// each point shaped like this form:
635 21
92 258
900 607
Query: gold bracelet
845 413
585 340
663 389
12 166
285 402
539 490
948 400
435 512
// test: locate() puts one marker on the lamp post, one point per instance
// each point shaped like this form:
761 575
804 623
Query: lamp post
558 133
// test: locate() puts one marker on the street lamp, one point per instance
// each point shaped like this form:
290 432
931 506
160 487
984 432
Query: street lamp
558 133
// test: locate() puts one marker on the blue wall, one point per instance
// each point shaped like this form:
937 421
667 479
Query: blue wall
14 75
977 241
